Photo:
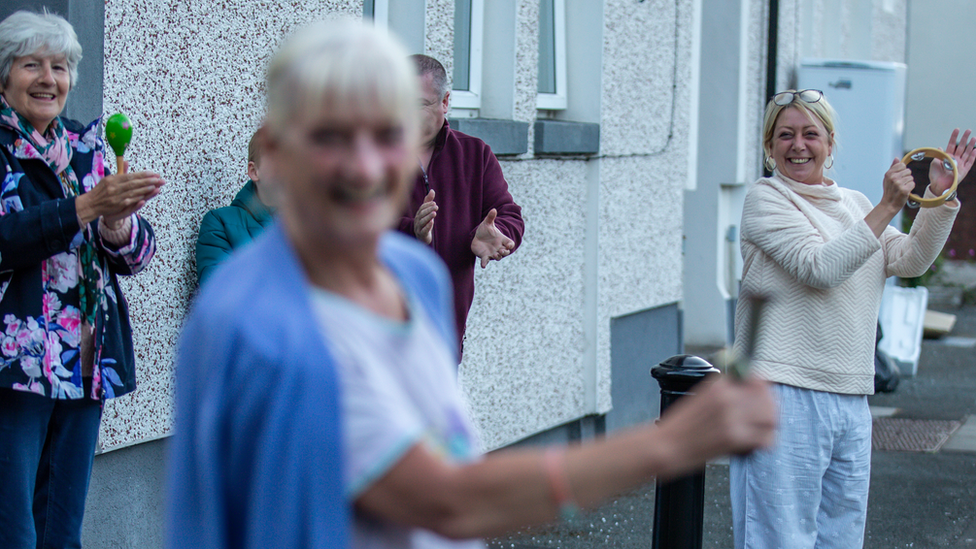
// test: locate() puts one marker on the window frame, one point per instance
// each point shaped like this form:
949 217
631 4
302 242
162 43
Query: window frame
471 98
558 100
381 13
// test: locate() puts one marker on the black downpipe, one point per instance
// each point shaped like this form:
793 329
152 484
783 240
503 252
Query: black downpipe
772 48
772 41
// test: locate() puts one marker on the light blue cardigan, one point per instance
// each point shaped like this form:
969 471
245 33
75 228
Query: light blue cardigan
256 458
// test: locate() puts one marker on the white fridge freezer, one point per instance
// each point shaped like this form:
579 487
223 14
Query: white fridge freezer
869 97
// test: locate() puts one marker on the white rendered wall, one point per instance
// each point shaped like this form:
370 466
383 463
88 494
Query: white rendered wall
523 355
439 41
840 29
602 239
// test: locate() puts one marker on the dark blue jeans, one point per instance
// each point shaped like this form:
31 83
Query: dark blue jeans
46 451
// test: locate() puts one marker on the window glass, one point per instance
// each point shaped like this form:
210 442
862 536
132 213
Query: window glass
462 45
547 48
378 11
552 55
469 20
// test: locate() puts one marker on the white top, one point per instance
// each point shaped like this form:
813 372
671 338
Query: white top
399 389
809 249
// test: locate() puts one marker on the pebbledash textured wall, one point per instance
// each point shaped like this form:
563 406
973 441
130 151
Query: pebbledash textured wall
645 113
536 346
603 235
524 368
190 77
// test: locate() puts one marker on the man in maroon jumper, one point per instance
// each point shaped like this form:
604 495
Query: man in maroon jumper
473 215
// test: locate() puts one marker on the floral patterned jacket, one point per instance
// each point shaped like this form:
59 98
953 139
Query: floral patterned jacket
39 275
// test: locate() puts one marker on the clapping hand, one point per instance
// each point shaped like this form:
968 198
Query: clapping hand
898 184
963 151
423 222
489 243
118 196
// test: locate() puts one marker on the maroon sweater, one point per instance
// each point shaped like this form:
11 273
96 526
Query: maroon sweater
467 182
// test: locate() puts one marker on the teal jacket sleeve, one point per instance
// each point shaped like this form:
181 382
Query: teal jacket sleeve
213 245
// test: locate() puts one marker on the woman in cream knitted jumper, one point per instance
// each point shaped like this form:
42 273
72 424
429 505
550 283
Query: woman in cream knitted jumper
822 254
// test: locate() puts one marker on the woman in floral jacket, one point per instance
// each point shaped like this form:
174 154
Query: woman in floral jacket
66 230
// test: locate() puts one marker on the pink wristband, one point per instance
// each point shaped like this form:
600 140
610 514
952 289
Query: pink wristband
554 463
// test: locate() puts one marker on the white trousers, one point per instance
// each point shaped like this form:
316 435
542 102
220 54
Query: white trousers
810 489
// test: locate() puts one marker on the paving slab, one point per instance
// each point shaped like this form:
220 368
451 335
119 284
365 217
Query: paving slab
957 341
883 411
964 439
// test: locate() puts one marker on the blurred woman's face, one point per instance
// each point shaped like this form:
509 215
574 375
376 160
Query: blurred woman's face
344 174
37 88
800 146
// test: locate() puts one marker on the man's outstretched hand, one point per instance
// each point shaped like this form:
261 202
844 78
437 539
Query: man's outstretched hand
489 243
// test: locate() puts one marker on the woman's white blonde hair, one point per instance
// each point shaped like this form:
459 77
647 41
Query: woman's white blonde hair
25 33
338 66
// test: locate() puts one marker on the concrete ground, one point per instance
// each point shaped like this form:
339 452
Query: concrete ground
918 499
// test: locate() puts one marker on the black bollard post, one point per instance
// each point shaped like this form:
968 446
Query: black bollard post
679 505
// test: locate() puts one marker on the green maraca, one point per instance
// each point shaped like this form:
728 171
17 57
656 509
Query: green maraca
118 133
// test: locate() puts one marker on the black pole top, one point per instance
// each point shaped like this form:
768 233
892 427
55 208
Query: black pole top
681 372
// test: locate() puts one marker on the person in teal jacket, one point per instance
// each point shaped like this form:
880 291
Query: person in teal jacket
226 229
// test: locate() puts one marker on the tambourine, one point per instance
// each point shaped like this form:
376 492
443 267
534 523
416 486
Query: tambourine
918 161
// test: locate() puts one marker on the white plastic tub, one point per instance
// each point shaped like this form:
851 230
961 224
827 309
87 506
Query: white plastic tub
902 318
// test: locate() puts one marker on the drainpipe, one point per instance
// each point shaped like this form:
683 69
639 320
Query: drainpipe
772 40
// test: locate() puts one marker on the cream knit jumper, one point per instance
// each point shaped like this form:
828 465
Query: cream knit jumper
809 249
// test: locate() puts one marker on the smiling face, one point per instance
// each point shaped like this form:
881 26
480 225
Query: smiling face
800 145
37 88
344 174
340 139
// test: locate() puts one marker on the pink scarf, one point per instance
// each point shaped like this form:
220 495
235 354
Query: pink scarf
54 148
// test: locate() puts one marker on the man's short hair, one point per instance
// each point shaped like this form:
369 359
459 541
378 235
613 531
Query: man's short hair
428 65
253 152
254 148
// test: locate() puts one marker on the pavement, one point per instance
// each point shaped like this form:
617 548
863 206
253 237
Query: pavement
919 499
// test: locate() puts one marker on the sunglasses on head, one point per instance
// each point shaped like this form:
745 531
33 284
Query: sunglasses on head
807 96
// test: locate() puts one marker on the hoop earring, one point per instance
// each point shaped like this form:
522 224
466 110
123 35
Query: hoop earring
770 163
831 160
